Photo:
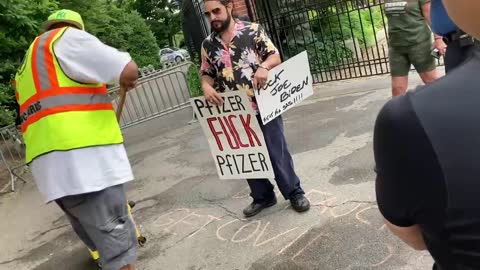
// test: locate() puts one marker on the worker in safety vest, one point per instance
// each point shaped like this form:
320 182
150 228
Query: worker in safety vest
74 145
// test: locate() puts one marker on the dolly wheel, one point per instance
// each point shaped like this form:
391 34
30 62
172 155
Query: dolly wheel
142 240
132 204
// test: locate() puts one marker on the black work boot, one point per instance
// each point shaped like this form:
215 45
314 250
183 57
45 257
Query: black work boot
300 203
255 207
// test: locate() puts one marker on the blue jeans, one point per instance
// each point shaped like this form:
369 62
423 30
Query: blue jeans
285 176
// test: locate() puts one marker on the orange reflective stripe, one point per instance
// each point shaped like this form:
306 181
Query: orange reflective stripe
66 108
35 64
49 62
62 91
44 74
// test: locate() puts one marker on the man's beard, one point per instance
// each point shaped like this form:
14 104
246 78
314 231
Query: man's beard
223 25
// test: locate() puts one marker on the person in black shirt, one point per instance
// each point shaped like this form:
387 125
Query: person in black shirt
427 154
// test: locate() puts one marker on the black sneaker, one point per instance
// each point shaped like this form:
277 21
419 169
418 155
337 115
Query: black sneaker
255 208
300 203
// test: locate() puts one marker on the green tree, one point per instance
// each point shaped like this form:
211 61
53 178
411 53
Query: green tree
20 23
133 35
163 17
95 14
116 24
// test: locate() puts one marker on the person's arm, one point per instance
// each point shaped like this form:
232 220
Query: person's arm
398 187
411 236
129 76
272 61
426 5
208 74
438 40
84 58
269 56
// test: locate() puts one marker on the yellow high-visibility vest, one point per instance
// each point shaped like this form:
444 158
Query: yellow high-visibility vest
56 112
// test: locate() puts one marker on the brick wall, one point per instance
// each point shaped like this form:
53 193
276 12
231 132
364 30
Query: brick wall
240 8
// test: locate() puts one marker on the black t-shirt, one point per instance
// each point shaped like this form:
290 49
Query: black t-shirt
427 153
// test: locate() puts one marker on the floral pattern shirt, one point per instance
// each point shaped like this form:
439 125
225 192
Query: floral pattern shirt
233 66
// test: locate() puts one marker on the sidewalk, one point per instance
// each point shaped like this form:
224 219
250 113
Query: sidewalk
193 220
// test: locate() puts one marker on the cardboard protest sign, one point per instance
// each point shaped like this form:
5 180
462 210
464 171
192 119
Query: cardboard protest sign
288 84
235 138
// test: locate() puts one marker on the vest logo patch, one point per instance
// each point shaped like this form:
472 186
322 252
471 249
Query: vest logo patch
32 109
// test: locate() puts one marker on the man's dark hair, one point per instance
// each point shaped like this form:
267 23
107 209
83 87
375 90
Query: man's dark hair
225 3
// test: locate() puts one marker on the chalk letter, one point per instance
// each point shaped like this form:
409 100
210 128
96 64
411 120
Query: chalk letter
223 226
256 244
234 240
212 218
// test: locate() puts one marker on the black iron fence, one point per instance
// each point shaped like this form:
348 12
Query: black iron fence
344 38
195 27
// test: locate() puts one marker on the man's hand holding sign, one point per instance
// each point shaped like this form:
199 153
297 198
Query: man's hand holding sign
287 85
211 95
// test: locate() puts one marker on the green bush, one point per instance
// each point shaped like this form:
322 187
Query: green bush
329 53
331 30
7 116
123 29
7 105
194 84
364 25
20 22
360 23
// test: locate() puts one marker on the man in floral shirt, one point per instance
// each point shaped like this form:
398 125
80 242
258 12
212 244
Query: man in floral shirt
237 56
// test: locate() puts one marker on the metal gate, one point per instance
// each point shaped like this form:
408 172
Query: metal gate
155 95
12 155
195 27
344 38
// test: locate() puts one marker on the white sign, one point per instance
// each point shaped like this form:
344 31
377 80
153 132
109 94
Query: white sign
235 138
288 84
